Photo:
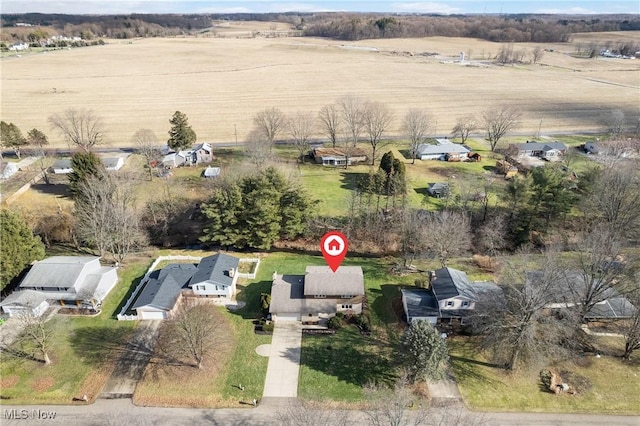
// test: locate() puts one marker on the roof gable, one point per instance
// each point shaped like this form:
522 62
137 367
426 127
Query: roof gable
445 148
164 286
215 269
449 282
321 280
60 271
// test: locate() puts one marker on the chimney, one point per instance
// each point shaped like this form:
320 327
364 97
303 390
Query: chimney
432 276
232 272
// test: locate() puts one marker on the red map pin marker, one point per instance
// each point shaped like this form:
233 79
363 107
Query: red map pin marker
333 246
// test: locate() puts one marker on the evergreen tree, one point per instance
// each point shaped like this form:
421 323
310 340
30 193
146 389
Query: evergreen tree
19 246
423 352
85 164
256 211
181 135
11 137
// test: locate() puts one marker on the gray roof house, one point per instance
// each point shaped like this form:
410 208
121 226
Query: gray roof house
612 305
62 166
443 150
159 296
216 276
317 295
29 302
451 296
71 280
551 151
213 276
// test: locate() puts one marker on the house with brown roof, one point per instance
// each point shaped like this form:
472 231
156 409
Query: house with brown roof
317 295
339 156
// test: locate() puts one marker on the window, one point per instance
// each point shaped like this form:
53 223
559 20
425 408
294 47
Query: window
465 304
450 303
347 306
320 296
346 296
201 288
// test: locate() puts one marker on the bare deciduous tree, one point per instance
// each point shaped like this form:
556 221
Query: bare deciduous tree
498 121
37 336
269 123
493 235
416 125
81 128
615 198
464 126
447 234
536 54
598 269
146 142
351 110
38 140
518 325
413 241
258 148
301 126
631 327
330 122
377 117
190 336
614 123
106 217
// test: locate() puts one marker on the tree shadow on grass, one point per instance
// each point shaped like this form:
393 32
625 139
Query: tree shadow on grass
250 294
126 297
382 304
347 356
95 345
349 180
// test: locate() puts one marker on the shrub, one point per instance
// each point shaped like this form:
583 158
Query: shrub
335 323
340 315
421 283
363 322
268 327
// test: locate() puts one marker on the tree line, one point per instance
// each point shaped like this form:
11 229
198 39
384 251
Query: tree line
343 26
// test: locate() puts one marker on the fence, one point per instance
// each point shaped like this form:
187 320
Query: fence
250 275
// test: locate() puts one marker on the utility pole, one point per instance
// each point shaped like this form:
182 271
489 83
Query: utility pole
235 132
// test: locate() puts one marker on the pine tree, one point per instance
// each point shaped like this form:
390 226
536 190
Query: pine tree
181 135
19 246
84 164
423 351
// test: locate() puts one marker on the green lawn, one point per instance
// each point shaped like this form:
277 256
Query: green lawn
612 386
83 351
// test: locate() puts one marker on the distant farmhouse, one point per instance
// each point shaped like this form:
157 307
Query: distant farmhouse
550 151
63 166
339 156
199 154
443 150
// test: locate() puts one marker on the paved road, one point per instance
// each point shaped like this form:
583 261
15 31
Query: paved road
122 412
284 361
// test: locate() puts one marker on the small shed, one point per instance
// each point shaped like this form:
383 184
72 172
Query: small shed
62 167
211 172
438 189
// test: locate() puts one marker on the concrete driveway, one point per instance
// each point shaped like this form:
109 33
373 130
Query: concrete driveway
132 362
284 361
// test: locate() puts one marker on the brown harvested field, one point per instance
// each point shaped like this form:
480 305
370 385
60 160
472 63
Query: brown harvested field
222 82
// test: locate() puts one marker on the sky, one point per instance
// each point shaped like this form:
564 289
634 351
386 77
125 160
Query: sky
261 6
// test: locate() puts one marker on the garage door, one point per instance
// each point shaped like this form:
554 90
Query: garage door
146 315
291 316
